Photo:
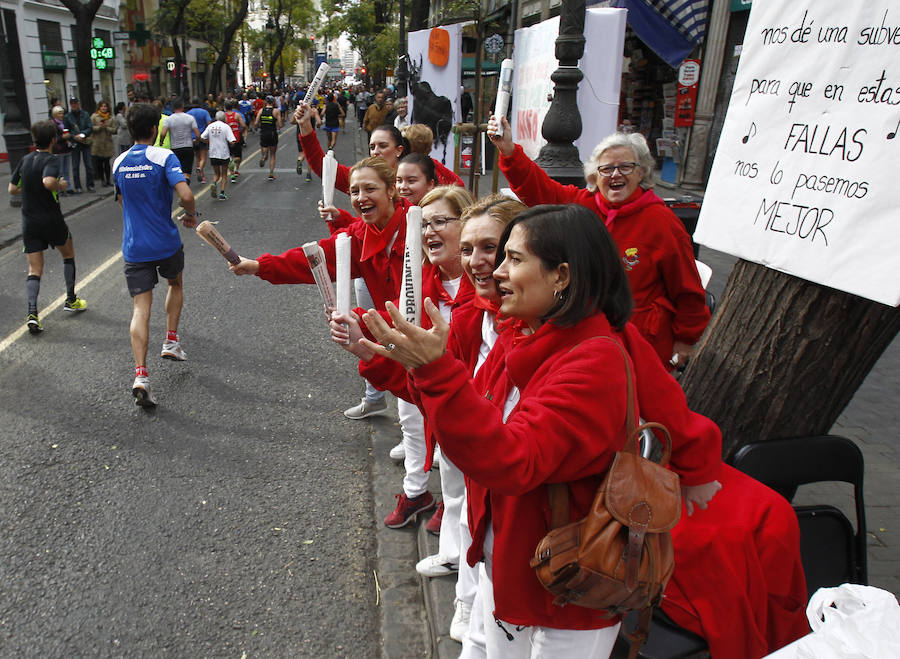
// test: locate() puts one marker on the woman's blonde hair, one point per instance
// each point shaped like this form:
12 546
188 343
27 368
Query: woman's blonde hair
420 138
458 197
496 206
57 108
638 145
383 170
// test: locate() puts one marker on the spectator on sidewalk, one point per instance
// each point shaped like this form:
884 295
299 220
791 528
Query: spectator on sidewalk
123 136
82 128
62 148
375 114
102 148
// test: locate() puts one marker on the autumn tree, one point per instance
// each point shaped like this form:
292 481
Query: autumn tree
84 13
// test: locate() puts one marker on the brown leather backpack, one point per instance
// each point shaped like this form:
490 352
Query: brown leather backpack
619 558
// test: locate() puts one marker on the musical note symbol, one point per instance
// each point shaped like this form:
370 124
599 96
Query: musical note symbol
893 133
750 133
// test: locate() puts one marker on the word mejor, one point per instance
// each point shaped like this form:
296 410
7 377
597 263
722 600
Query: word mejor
869 35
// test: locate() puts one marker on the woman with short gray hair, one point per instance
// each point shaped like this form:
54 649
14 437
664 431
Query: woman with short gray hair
669 301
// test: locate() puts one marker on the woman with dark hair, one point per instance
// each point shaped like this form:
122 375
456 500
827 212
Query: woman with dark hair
415 177
533 416
102 147
123 136
670 303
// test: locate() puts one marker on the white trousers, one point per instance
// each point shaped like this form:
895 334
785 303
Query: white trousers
412 424
453 492
467 577
494 639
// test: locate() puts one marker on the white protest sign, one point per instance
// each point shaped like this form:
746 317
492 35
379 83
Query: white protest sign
803 180
598 92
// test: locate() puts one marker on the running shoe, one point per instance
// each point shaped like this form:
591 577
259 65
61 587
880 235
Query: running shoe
408 509
436 566
299 168
143 397
234 178
271 177
308 176
33 324
366 408
213 191
75 305
223 196
262 161
173 350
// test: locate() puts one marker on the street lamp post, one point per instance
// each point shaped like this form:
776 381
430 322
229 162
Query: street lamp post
270 28
402 70
562 125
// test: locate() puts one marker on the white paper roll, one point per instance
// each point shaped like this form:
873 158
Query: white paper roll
411 289
342 270
316 258
504 90
329 174
316 83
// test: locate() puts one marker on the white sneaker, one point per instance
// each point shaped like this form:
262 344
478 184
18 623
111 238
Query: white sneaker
398 452
365 408
436 566
141 392
173 350
459 626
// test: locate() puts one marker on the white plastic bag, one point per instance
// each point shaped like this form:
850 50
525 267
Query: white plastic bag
851 622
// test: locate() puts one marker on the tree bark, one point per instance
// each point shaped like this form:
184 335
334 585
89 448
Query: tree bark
783 356
418 15
227 38
84 13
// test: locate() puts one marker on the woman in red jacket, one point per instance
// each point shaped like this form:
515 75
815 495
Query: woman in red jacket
670 303
378 237
547 406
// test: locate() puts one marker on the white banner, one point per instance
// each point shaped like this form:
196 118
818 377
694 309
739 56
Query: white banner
444 81
598 92
803 175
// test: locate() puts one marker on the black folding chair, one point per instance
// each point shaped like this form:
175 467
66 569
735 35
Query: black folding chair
832 553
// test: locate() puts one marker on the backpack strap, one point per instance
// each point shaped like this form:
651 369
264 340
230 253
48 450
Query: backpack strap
558 493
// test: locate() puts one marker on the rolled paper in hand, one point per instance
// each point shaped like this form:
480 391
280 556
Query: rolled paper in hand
316 83
329 174
342 260
209 233
504 90
411 289
316 258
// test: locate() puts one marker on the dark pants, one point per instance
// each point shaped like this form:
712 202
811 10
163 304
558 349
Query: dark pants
101 167
82 151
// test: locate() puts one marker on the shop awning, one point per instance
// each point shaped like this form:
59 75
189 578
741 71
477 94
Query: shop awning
672 28
487 68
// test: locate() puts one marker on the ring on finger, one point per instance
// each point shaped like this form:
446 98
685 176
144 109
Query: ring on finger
389 347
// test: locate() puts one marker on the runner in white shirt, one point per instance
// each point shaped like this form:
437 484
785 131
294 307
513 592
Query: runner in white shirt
219 135
181 128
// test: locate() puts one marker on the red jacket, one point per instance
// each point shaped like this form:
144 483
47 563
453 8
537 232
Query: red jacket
556 433
446 176
314 157
670 303
381 270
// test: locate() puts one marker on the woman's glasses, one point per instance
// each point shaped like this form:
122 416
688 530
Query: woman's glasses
437 223
625 168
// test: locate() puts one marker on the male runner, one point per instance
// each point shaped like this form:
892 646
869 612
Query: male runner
235 121
183 130
269 121
201 116
37 178
219 136
145 176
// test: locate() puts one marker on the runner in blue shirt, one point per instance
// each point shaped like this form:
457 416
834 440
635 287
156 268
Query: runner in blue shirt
201 148
145 176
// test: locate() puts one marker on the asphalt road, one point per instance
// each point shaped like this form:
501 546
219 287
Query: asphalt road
235 520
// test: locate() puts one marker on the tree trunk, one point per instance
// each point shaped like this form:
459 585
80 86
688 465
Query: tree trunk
84 13
783 356
418 15
227 38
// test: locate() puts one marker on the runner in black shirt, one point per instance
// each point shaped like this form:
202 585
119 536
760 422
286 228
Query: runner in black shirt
269 121
37 178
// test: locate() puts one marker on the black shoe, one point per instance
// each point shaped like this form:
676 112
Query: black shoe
90 188
77 191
